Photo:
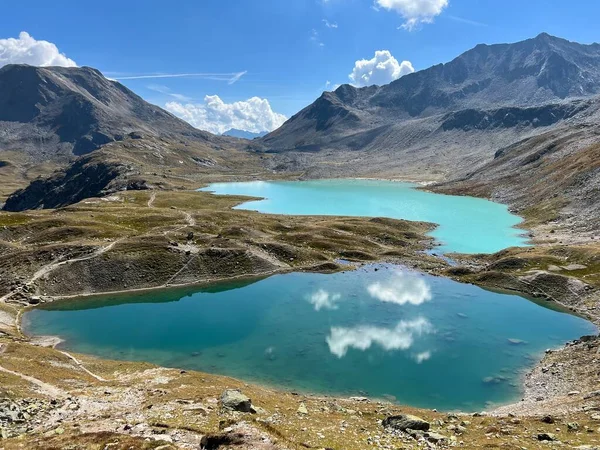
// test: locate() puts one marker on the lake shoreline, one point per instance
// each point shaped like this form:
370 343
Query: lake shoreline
527 376
482 271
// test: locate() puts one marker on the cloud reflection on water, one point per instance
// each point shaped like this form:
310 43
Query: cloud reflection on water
324 300
401 288
401 337
422 357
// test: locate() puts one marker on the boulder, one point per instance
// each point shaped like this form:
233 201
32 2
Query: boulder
435 438
546 437
405 422
9 412
234 400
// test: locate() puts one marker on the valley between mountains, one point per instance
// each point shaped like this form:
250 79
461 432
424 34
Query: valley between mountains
100 196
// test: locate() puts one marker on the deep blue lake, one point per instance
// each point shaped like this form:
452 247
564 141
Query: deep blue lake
466 224
380 331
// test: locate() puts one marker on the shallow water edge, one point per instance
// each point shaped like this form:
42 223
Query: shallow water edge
344 335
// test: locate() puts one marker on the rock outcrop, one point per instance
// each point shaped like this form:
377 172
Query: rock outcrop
405 422
234 400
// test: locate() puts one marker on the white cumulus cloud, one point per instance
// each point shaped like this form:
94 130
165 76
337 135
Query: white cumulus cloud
383 68
324 300
414 12
27 50
401 288
401 337
214 115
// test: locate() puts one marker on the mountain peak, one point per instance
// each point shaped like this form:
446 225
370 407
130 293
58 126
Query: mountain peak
75 110
545 37
527 74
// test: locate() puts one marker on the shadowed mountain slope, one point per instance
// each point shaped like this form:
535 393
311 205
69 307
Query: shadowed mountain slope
58 112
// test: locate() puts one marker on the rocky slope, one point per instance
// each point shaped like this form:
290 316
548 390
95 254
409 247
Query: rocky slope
50 116
53 112
443 119
438 124
552 178
136 164
144 239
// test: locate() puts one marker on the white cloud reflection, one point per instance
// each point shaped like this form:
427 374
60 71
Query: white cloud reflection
324 300
401 288
401 337
422 357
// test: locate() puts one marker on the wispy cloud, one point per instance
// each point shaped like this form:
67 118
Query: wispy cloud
329 24
329 86
467 21
236 77
165 90
315 38
230 78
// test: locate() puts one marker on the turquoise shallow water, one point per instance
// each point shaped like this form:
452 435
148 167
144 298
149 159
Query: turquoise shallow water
466 224
380 331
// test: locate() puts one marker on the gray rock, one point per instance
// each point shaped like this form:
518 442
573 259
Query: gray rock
416 434
9 412
435 438
591 395
546 437
234 400
405 422
547 419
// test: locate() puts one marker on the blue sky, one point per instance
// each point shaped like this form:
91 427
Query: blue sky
286 50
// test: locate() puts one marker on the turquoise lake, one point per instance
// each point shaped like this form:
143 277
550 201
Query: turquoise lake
466 224
380 331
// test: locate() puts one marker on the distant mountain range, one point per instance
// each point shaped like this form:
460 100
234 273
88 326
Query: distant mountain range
446 121
530 73
233 132
473 123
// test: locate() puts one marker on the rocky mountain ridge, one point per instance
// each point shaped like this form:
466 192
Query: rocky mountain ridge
55 113
534 72
522 87
437 125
